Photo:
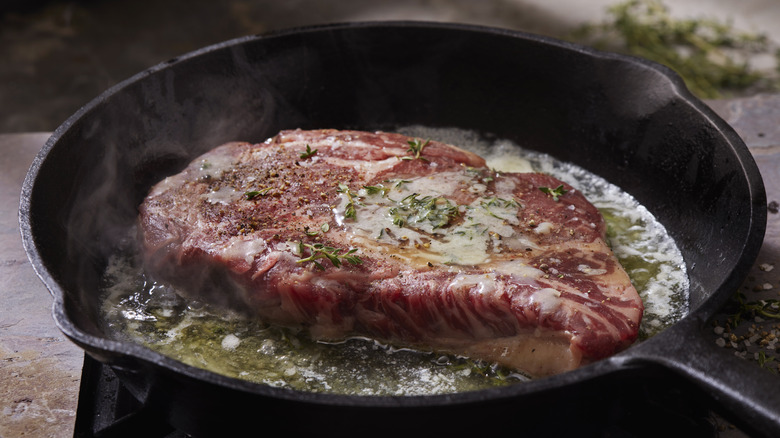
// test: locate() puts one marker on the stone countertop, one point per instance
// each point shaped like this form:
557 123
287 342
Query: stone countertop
40 369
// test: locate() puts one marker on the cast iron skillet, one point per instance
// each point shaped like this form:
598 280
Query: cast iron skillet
628 120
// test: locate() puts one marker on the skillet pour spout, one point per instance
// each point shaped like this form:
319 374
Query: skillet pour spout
627 120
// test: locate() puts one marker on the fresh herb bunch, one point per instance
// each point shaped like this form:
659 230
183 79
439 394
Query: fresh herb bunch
709 55
742 308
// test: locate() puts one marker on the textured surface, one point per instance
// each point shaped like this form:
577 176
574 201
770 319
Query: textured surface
39 368
757 121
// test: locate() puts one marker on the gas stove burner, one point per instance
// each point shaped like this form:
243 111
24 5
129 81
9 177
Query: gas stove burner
106 409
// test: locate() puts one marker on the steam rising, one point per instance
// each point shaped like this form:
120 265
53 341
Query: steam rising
151 126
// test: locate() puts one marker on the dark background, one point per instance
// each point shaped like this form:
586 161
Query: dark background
55 56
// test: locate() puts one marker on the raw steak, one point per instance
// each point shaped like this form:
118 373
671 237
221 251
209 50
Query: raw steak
407 241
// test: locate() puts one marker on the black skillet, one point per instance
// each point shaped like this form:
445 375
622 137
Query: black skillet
628 120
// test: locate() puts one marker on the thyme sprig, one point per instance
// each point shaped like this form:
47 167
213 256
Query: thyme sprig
252 194
319 251
496 201
764 360
763 308
349 210
309 152
415 147
400 184
556 193
711 56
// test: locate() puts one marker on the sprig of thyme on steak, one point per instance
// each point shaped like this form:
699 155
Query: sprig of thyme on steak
319 251
308 153
349 210
415 147
252 194
556 193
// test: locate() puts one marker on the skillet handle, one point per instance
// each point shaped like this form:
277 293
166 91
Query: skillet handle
742 392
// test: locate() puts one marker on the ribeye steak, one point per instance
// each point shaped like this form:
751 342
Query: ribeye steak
403 240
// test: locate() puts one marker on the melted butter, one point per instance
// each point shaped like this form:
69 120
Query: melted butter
520 272
224 195
406 217
486 283
544 228
214 165
587 270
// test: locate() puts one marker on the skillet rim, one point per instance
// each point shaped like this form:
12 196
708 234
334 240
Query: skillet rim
127 353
